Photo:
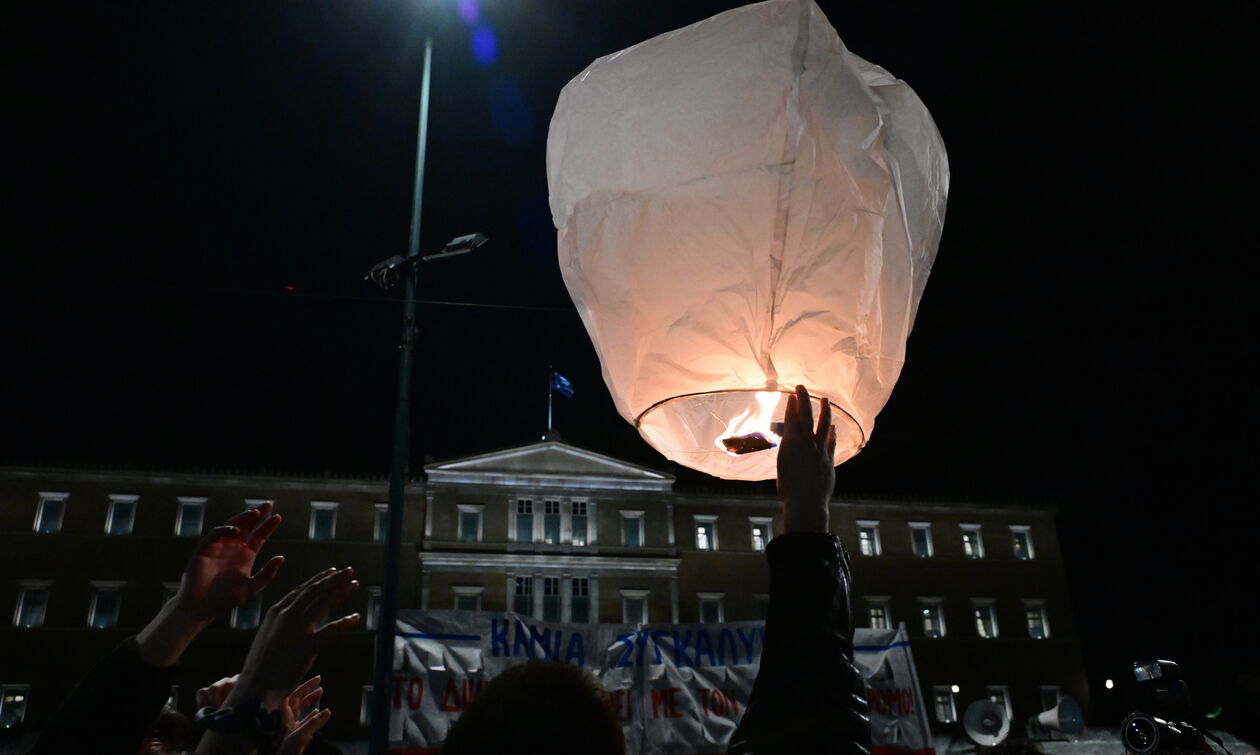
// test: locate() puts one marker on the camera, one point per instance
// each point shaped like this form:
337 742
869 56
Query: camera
1162 691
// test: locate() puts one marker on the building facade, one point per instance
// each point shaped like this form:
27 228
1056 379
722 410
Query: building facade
547 529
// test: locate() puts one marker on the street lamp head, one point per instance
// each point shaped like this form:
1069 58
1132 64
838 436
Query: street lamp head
385 272
465 244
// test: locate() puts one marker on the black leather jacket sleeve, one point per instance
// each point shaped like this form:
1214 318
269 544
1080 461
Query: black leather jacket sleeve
111 708
808 696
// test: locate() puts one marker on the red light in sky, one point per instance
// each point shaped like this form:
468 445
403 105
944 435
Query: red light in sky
288 288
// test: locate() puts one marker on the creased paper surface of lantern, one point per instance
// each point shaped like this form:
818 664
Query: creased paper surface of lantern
744 205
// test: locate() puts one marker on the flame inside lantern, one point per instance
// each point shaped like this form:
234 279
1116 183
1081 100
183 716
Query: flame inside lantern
753 429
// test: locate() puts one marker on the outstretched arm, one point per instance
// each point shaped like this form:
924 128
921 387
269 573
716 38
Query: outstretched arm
808 696
120 697
217 579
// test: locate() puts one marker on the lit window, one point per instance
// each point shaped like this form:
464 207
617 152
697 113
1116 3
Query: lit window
253 503
551 599
248 614
580 600
632 528
986 619
581 535
470 522
106 601
1035 616
921 539
933 618
711 607
1021 540
524 521
380 522
634 606
373 618
868 537
13 698
523 599
1001 695
551 522
192 513
760 532
706 532
122 514
944 704
973 545
323 520
51 512
468 597
32 604
1051 694
365 706
877 614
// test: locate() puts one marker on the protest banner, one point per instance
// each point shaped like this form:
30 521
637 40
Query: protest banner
676 688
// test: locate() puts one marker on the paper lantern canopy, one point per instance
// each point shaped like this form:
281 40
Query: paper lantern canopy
744 205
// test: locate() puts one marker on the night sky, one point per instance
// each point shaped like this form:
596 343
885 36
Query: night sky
174 168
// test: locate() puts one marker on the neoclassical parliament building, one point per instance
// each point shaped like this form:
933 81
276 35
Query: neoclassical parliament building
547 529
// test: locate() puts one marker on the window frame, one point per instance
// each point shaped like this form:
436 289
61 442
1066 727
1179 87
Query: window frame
637 515
15 690
100 587
947 689
470 508
1005 691
991 605
1038 605
711 597
548 580
760 521
558 514
372 615
880 601
514 523
877 544
1026 531
589 515
380 515
46 497
572 593
25 586
323 506
467 591
114 500
528 581
971 527
185 502
628 594
926 527
937 605
711 520
234 619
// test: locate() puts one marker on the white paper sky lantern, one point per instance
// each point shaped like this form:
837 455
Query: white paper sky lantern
744 205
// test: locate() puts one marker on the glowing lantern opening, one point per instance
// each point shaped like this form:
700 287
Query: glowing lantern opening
744 205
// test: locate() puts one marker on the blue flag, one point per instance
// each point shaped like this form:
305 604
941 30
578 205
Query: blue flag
560 385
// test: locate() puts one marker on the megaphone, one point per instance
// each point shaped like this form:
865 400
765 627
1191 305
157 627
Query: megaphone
1065 718
986 723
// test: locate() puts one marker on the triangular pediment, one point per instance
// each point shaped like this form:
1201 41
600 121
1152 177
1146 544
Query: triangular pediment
549 462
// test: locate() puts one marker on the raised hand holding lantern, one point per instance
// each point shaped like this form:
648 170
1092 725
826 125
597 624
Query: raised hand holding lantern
744 205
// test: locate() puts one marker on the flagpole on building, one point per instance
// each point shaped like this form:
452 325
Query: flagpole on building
551 388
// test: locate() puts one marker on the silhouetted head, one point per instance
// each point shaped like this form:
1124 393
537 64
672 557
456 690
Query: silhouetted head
539 706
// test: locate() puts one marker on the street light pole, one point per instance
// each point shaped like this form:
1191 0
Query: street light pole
384 655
